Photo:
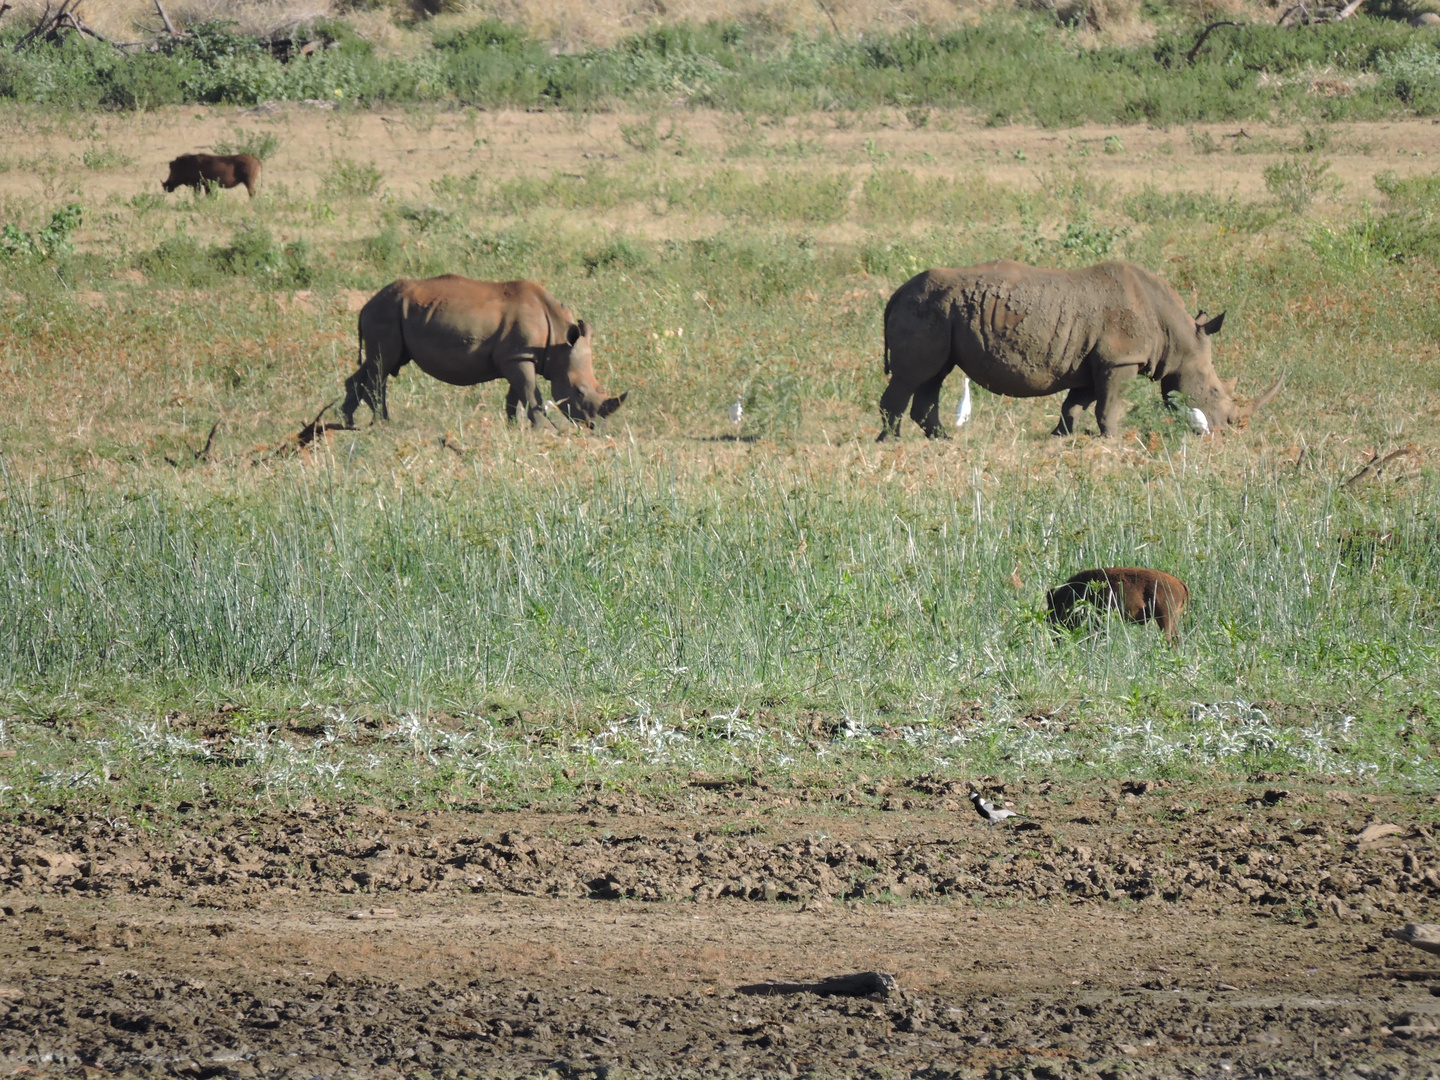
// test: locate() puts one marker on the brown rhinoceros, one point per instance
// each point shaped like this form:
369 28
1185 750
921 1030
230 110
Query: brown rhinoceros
1027 332
465 332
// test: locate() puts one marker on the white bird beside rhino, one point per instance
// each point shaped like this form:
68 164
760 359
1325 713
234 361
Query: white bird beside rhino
1022 331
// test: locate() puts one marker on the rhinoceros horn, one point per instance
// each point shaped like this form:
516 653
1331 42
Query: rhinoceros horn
1264 399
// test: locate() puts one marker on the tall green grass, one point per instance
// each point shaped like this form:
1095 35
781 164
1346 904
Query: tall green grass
591 584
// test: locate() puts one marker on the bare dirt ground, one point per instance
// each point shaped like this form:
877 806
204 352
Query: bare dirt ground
1149 930
413 148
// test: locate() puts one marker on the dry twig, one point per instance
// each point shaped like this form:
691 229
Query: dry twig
1376 464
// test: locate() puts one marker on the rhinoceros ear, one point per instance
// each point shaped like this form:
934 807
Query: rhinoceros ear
581 329
1212 327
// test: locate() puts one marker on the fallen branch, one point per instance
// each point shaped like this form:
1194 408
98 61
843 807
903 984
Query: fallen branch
1305 16
164 18
1199 41
314 429
865 984
203 454
1424 936
1377 464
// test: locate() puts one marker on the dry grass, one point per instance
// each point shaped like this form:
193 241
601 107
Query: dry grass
128 19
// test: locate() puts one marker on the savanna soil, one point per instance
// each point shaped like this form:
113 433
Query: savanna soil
1158 930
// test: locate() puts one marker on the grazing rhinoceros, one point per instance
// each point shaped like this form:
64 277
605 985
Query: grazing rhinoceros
1027 332
465 332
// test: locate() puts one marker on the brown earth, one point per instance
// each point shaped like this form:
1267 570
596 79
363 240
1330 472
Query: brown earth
412 149
1163 930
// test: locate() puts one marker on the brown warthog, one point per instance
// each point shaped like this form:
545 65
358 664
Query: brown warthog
1138 594
1026 332
465 332
199 171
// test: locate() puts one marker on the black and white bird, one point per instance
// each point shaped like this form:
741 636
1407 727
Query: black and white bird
989 811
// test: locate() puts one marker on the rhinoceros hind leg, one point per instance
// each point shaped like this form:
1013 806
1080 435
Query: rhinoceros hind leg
1076 402
925 410
892 408
365 385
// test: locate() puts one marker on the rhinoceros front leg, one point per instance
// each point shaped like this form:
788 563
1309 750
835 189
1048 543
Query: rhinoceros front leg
1074 406
1110 385
524 388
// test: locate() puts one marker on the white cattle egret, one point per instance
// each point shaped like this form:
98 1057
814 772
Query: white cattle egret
737 412
962 411
989 811
1198 421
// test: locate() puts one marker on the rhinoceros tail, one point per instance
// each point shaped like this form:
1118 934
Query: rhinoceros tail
885 331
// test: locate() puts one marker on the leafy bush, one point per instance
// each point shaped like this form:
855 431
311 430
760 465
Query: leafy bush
1413 191
1413 76
46 243
352 179
252 252
1296 181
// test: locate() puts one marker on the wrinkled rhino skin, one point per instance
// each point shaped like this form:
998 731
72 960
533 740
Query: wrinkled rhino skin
1138 594
464 332
1028 332
199 171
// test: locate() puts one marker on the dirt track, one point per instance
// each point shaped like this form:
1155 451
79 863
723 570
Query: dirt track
1162 932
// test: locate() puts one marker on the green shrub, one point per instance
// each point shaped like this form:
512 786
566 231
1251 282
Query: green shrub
352 179
1422 192
1413 76
1298 180
49 242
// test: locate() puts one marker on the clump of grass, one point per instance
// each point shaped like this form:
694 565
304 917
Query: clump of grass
258 144
349 179
100 159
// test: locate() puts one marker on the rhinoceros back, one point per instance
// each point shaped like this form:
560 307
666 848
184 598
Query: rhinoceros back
1023 331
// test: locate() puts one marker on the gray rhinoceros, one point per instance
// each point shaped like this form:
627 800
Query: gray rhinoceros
465 332
1027 332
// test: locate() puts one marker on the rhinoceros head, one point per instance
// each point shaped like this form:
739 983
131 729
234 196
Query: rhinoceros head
1194 376
577 391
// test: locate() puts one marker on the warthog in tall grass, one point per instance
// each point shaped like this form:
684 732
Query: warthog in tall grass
1138 594
199 171
465 332
1028 332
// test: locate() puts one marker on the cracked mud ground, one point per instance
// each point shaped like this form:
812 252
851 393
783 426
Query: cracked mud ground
1224 931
